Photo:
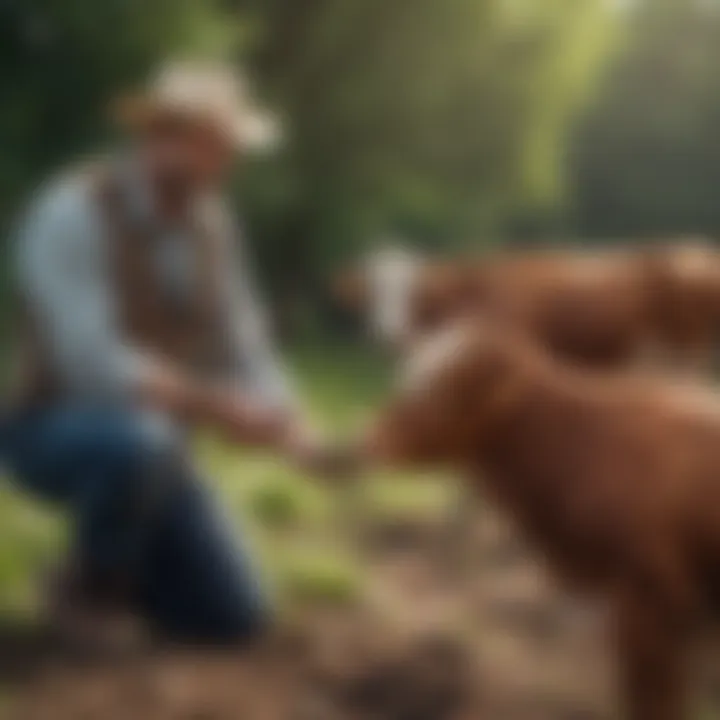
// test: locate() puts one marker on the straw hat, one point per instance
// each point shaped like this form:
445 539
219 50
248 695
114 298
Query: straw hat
207 93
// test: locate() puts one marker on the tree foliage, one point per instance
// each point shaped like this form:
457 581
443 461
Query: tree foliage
442 120
646 159
62 60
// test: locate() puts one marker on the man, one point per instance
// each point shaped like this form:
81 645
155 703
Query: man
138 325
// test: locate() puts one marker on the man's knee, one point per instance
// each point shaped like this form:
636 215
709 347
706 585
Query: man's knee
70 453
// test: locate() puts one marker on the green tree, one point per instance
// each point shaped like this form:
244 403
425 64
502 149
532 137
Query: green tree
443 119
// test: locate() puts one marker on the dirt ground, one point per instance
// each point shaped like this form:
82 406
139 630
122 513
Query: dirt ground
428 642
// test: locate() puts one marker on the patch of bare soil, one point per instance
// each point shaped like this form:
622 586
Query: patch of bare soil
344 671
488 638
544 655
536 653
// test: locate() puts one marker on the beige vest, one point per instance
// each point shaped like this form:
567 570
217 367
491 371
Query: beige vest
192 336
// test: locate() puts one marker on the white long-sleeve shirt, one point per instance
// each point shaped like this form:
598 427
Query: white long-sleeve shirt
62 267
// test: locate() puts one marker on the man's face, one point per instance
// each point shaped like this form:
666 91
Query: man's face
187 158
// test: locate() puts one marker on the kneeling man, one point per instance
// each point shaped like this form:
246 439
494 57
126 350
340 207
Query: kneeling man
139 323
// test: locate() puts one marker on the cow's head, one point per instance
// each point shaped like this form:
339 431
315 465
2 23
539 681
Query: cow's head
403 296
455 385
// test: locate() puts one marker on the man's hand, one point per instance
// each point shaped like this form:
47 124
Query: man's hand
246 422
317 457
303 447
235 415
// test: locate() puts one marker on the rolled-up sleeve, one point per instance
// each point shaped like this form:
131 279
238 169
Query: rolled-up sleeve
254 361
61 258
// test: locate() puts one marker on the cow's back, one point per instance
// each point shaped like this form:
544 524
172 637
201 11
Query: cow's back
589 308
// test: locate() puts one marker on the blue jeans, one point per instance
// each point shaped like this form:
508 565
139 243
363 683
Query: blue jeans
140 513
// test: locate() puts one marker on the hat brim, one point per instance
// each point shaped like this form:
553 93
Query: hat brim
254 129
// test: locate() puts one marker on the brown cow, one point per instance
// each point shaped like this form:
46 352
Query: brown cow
603 309
615 478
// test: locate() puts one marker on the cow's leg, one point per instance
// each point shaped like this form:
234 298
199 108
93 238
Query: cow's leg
651 646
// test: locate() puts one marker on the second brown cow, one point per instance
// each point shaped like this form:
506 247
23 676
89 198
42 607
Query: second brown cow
602 309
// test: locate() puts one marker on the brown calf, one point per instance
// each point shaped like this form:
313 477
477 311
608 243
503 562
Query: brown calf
616 479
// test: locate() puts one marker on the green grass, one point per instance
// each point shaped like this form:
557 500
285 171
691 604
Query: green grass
299 527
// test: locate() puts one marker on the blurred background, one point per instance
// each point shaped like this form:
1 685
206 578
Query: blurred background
461 123
458 124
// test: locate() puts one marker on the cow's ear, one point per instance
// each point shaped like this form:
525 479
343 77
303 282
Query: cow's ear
349 288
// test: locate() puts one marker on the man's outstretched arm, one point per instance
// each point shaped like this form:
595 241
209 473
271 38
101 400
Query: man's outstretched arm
255 366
